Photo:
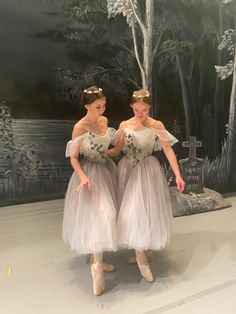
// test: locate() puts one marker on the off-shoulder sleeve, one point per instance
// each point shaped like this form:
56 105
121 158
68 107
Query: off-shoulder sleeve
165 136
112 134
116 135
73 145
119 135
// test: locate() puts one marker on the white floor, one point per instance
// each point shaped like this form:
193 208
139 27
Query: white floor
196 274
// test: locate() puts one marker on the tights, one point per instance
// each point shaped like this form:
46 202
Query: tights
96 258
141 257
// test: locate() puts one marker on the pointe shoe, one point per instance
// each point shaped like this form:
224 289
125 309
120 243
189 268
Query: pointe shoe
149 255
108 268
98 278
145 271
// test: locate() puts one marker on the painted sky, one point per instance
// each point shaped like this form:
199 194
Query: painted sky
26 62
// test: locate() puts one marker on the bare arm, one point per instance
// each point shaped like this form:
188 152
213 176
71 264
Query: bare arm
117 149
84 181
171 158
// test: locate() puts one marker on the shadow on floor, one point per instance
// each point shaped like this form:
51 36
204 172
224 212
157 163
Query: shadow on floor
197 248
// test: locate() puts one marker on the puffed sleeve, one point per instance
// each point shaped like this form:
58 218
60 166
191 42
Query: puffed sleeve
112 134
165 136
73 145
115 135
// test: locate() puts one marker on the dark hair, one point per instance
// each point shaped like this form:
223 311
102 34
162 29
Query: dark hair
141 95
89 95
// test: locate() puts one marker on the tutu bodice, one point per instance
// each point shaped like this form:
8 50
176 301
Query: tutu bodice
145 212
140 144
93 146
89 221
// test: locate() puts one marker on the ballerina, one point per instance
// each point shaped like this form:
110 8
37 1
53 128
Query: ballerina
89 221
145 212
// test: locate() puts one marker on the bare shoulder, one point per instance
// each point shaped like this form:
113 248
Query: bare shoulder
123 125
157 124
80 125
79 129
104 121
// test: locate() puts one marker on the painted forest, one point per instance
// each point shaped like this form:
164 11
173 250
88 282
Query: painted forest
183 52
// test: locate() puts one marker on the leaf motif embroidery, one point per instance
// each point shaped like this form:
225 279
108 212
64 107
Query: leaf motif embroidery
97 150
133 152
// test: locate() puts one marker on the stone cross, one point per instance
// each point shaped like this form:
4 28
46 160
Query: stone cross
192 168
192 144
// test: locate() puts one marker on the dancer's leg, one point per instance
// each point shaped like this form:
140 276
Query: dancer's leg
97 274
143 265
132 259
107 268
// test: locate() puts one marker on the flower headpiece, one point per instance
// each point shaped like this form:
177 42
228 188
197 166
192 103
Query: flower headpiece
141 93
89 91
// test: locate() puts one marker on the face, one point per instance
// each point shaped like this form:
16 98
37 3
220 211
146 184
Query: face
97 107
141 110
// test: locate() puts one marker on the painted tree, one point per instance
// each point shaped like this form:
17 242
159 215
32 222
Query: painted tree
142 32
89 35
179 53
211 29
19 160
148 26
185 52
219 102
229 44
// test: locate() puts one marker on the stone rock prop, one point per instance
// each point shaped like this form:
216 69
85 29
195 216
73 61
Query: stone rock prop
196 198
192 203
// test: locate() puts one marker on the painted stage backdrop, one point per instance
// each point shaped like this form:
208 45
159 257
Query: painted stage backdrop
183 51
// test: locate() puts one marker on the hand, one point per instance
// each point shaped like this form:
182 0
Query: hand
84 182
180 184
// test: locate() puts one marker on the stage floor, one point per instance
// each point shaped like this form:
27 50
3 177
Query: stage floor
39 274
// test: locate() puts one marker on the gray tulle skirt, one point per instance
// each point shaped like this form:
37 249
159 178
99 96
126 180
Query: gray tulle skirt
145 215
89 222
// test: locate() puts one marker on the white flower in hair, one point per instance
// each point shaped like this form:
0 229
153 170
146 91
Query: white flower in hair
89 91
141 93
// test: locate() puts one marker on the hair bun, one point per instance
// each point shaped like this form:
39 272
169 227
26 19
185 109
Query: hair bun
90 94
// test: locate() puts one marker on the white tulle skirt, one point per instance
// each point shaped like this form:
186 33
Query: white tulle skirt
89 222
145 215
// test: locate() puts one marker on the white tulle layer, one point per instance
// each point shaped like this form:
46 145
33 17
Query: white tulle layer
89 222
145 216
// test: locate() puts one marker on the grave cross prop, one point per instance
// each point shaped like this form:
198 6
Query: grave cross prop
192 167
192 144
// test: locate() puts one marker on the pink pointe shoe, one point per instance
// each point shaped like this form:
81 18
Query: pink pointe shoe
107 268
145 271
149 255
98 278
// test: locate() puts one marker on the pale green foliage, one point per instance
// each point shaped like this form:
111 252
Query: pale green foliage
227 43
124 7
19 158
225 71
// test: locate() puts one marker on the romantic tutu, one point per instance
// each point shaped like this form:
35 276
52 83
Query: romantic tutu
89 222
145 214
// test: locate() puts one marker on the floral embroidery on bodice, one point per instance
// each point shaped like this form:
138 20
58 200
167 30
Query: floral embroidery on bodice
138 144
142 143
93 146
